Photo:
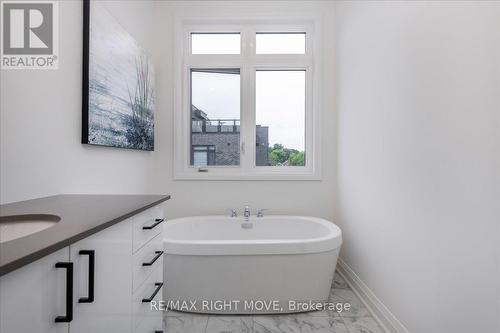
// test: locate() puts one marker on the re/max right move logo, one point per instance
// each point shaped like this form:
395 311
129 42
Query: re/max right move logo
30 36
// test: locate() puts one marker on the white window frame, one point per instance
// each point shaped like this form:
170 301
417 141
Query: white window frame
248 62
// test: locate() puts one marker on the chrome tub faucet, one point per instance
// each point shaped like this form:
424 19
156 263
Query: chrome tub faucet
246 214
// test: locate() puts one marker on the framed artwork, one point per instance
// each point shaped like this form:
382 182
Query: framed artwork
118 84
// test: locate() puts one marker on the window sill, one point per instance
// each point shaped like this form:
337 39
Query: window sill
214 174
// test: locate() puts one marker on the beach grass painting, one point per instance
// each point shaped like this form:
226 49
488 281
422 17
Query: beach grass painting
118 92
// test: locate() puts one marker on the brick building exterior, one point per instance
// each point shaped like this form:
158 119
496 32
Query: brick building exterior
217 142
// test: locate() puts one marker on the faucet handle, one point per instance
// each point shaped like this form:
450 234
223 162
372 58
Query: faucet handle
260 212
233 212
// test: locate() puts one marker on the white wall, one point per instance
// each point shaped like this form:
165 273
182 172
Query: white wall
212 197
418 195
40 147
40 119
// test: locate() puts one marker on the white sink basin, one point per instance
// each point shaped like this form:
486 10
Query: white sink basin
17 226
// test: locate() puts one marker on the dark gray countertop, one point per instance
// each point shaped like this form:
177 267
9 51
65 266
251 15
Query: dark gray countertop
81 216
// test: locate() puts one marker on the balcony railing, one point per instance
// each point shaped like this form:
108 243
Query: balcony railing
215 126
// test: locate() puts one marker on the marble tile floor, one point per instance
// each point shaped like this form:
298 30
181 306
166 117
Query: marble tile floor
356 320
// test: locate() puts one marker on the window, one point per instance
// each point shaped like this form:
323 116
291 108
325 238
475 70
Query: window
203 155
245 103
280 117
215 114
280 43
215 43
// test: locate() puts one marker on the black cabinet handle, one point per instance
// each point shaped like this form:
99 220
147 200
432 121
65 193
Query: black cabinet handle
158 255
148 300
149 227
69 292
91 254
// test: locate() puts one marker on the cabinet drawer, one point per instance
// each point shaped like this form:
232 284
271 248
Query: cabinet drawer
150 254
147 225
142 310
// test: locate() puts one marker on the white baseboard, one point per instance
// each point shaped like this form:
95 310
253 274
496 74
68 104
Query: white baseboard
379 311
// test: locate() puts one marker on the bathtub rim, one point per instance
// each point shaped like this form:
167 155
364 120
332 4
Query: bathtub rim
331 241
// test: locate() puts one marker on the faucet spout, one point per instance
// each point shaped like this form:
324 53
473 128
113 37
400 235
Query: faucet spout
246 214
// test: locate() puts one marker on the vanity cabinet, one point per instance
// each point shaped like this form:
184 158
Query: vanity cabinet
103 283
147 270
33 296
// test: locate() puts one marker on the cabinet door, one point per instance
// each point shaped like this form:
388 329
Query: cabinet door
109 310
32 296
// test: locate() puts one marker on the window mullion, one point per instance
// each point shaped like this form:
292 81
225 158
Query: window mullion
249 118
248 97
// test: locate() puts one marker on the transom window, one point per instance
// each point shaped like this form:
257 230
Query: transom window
245 107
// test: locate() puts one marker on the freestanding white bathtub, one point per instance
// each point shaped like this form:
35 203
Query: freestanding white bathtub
214 265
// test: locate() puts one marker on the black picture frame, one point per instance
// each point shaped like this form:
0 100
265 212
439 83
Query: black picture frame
140 133
85 72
